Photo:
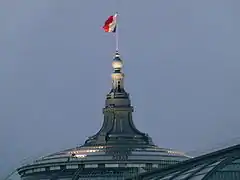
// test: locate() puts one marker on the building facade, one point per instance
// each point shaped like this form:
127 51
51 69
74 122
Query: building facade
117 151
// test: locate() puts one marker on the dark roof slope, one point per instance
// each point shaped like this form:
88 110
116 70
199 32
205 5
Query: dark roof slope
218 163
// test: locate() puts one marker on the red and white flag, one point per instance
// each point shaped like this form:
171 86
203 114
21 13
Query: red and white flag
111 24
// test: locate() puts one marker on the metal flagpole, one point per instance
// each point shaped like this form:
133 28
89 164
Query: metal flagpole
117 26
117 35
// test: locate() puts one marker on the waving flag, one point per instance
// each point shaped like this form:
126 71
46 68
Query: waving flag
111 24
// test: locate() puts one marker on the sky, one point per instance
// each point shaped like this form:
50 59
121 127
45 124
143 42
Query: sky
181 62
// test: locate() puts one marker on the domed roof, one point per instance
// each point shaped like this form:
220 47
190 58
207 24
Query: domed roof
108 156
118 146
223 164
86 153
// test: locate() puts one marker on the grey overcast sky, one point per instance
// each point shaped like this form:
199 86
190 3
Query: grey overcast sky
182 66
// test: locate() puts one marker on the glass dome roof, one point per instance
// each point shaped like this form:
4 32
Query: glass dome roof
219 165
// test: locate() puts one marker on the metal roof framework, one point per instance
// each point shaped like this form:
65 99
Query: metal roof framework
219 165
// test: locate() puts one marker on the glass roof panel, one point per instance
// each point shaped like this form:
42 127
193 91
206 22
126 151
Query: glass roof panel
182 176
168 176
194 169
199 177
208 168
216 163
205 170
231 167
236 161
165 178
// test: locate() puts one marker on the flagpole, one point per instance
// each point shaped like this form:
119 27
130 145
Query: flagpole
117 35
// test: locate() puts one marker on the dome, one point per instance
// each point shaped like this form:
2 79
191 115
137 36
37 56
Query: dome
102 160
223 164
117 151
